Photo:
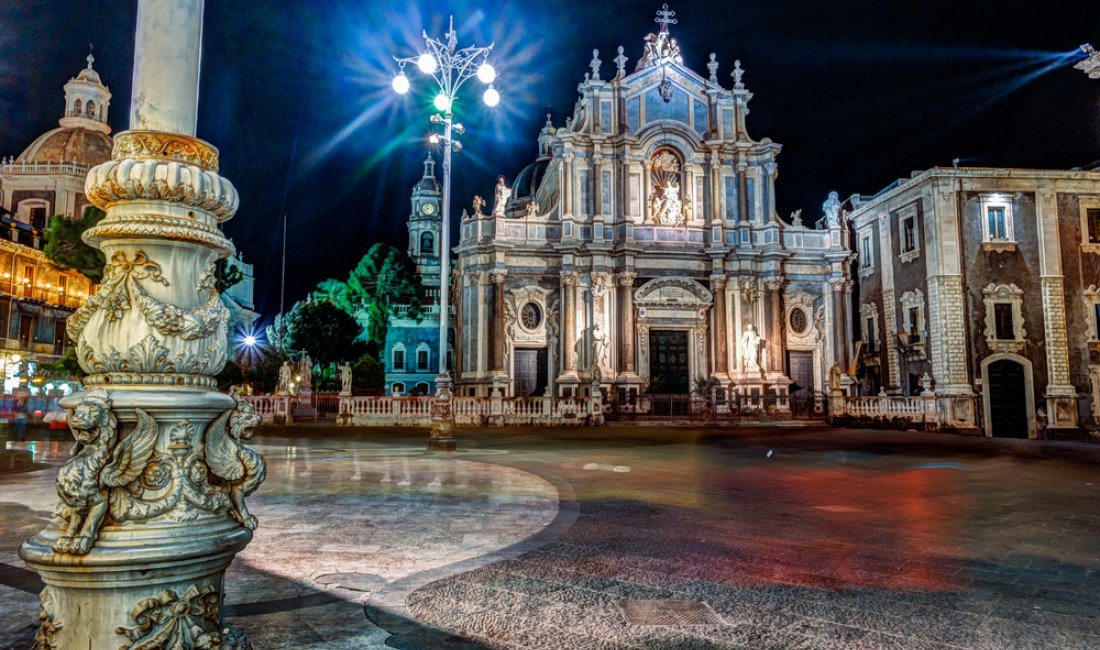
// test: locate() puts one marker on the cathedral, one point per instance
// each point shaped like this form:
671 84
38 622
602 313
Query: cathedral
642 252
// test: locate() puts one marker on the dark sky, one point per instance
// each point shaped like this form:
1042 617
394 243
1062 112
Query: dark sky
859 93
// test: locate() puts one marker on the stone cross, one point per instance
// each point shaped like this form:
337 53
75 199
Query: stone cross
713 67
665 17
595 65
620 61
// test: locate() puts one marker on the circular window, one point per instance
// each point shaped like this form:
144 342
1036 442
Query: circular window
530 316
798 321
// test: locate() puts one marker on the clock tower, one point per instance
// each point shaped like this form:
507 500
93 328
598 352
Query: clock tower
425 225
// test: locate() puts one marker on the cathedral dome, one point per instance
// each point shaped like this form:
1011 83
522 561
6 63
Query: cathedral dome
528 180
81 146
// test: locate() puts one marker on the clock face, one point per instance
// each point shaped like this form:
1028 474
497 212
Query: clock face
427 208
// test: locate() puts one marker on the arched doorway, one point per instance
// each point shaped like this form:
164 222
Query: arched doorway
1008 400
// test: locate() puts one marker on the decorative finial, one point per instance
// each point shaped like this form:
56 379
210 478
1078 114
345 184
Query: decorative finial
620 61
665 18
737 74
549 124
91 55
595 65
713 67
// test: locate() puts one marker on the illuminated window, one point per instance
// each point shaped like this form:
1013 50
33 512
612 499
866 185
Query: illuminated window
1090 224
997 220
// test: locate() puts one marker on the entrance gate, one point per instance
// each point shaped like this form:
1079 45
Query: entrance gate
1007 399
668 361
529 372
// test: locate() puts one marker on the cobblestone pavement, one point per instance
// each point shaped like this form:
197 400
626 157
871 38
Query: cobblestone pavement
646 537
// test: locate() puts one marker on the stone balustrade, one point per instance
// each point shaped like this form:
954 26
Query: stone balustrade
468 411
917 409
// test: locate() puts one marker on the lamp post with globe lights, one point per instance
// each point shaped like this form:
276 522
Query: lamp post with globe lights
450 67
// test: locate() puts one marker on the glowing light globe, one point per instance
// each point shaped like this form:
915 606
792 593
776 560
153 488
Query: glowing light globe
427 63
442 102
433 138
401 83
250 340
491 97
486 73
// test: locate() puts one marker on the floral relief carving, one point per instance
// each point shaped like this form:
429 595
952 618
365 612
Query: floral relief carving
128 179
46 636
174 621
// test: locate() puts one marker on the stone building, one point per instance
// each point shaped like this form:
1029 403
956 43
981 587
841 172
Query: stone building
411 357
47 178
987 281
642 251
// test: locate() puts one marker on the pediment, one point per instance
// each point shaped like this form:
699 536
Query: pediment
673 292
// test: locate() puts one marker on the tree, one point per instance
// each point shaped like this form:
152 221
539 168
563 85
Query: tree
277 334
66 250
324 331
368 376
264 376
384 278
226 275
336 292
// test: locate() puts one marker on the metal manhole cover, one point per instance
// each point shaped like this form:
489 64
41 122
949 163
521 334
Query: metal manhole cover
667 612
365 582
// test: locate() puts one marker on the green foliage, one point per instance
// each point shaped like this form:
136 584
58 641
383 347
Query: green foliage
323 330
368 376
70 365
334 291
231 375
227 274
66 250
277 334
264 376
385 278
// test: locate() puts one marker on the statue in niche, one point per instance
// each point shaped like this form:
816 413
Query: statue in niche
666 204
750 350
500 197
831 208
599 348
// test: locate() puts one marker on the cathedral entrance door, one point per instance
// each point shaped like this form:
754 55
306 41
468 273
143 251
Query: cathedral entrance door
668 361
529 373
800 368
1007 399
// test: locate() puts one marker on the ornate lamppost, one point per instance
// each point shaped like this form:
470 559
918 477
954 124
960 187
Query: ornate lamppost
449 67
152 502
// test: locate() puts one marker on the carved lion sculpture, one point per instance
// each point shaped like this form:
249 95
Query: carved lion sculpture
97 465
241 467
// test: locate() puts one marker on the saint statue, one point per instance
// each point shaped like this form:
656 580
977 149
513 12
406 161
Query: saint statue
533 208
306 370
479 203
599 348
283 387
832 210
500 197
750 349
668 207
345 379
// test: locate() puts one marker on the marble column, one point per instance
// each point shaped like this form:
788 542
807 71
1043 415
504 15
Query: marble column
483 334
776 362
152 505
569 318
839 286
721 335
626 323
497 325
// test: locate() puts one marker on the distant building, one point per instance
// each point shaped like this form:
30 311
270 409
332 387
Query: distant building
46 179
988 282
411 354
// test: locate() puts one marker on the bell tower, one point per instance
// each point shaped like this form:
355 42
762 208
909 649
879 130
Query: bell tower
425 225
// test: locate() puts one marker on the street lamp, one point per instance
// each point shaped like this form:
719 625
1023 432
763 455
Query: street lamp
1090 65
450 68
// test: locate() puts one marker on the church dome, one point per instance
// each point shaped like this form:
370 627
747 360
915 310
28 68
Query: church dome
83 147
88 74
528 180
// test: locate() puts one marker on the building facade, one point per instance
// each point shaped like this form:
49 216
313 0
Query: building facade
411 357
642 251
987 283
46 179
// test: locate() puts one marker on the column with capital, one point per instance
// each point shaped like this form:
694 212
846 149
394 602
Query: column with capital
497 334
776 362
627 370
152 503
839 287
721 334
569 328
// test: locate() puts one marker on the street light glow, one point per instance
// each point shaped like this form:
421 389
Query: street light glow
427 63
401 83
492 97
442 102
250 340
486 73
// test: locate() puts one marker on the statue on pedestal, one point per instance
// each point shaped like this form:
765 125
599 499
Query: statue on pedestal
345 379
750 350
832 210
500 197
283 386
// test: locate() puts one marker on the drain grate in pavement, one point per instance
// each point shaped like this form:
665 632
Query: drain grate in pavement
667 612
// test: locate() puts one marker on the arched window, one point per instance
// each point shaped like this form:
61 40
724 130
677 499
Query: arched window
90 110
77 106
666 183
421 389
427 244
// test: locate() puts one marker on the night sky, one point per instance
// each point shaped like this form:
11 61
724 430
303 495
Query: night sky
296 96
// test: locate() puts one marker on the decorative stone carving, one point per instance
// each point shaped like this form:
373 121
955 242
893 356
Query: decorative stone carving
831 208
750 350
158 145
174 621
49 625
240 469
1013 296
128 179
99 463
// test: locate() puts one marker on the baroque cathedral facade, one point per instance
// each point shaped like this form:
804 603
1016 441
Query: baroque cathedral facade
642 251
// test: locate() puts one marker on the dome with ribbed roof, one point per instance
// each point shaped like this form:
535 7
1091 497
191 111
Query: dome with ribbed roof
81 146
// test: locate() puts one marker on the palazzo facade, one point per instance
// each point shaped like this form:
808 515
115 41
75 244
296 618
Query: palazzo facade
642 251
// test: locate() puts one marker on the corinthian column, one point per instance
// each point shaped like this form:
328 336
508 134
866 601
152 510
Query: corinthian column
626 321
152 504
718 287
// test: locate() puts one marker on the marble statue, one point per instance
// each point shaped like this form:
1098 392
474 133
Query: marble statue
737 73
620 63
533 208
832 210
668 207
834 378
750 349
345 379
306 370
599 348
283 387
500 197
796 218
479 203
595 65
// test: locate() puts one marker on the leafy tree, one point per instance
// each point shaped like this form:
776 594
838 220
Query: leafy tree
70 365
336 292
231 375
323 330
66 250
384 278
368 376
226 274
277 334
265 374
